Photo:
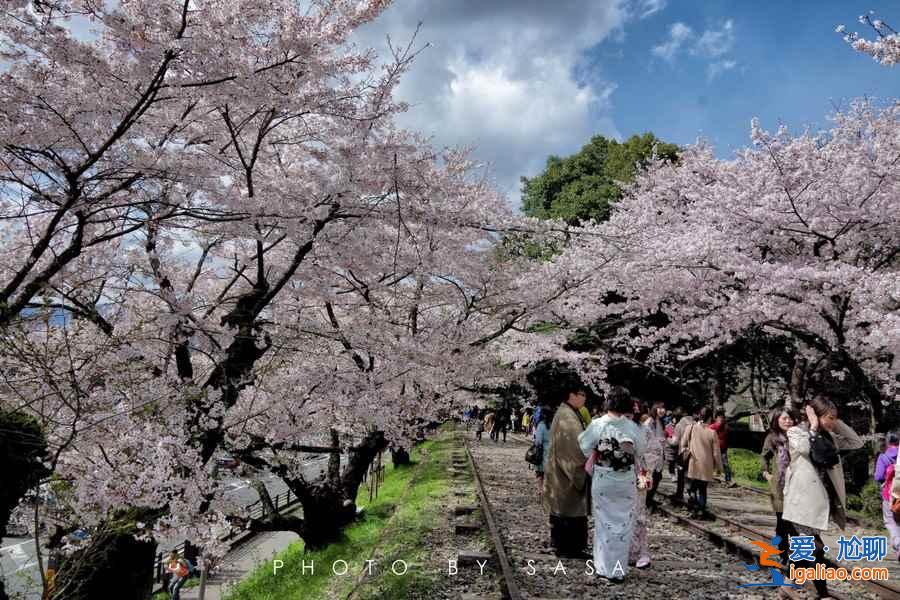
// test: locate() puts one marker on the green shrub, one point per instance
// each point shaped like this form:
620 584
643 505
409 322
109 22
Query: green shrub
867 502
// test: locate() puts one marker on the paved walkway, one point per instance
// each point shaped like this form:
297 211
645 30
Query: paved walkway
242 561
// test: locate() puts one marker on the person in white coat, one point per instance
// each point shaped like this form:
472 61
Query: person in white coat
814 493
615 443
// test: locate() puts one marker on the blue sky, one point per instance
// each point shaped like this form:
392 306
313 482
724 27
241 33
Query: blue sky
784 64
523 79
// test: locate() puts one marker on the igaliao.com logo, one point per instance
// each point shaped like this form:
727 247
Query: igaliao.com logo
766 552
802 550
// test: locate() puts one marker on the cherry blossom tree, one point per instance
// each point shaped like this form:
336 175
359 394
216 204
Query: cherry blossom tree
798 236
229 246
884 48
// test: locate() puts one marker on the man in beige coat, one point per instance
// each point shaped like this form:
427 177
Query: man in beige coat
565 489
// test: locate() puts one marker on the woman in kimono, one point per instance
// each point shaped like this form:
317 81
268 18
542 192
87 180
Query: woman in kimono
614 443
648 464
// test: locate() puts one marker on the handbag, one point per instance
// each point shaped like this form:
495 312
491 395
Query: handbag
535 454
685 453
895 508
823 452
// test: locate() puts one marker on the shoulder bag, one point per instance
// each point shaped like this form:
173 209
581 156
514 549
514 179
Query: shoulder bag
685 454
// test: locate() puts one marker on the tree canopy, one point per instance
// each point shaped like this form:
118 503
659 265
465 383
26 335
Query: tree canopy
583 186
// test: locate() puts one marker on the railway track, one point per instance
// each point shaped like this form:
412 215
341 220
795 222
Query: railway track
690 559
755 521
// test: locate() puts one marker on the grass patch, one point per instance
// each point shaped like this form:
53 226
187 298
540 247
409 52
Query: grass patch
746 469
192 582
393 527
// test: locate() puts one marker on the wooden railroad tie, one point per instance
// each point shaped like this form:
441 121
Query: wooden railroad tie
466 526
473 557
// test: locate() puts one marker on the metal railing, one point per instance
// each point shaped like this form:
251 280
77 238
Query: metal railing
256 510
373 478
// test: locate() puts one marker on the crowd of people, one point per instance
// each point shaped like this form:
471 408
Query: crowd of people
497 422
608 466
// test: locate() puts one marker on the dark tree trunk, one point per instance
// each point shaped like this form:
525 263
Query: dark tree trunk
114 563
327 509
22 448
334 459
328 505
798 382
400 457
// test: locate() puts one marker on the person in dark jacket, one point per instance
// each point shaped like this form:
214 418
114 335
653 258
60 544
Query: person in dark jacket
775 459
720 426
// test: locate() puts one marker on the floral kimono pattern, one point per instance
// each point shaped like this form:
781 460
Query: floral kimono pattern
613 491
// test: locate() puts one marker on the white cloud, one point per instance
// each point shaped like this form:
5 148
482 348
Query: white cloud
713 45
679 35
502 75
647 8
716 68
715 42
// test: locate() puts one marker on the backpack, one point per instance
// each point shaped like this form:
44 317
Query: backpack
183 568
888 482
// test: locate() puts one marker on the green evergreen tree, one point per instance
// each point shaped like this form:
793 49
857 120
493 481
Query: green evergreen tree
582 187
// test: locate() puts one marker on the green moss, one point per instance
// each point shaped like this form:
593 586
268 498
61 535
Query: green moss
393 526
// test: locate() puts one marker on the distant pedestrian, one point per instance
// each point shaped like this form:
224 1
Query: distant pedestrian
180 569
565 491
671 447
501 423
885 472
703 459
542 437
615 443
489 420
683 424
479 427
720 426
657 445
